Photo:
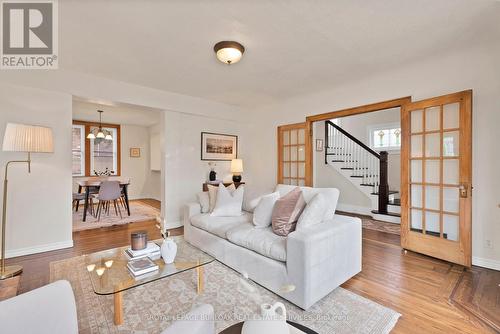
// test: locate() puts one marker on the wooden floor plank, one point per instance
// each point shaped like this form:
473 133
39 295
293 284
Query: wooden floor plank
433 296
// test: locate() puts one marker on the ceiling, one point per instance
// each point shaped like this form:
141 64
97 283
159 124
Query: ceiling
292 47
85 110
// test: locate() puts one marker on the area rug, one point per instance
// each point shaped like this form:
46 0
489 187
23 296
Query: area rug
139 212
376 225
152 307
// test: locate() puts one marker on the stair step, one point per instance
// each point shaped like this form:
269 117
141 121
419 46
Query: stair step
357 176
338 154
338 161
367 185
396 202
387 214
350 168
391 192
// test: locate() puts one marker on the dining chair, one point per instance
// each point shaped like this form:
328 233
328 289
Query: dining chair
77 197
109 191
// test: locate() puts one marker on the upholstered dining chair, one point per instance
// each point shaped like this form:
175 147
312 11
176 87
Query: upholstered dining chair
109 191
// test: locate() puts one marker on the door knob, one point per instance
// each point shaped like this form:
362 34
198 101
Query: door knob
463 191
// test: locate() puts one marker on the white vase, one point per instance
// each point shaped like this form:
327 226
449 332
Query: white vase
269 322
168 250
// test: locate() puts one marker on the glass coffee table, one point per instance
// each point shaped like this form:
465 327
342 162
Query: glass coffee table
109 274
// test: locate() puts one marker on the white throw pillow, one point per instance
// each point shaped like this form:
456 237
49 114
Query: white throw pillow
212 194
264 211
314 212
204 201
228 205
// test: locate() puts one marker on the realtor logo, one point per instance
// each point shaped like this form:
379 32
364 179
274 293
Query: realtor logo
29 35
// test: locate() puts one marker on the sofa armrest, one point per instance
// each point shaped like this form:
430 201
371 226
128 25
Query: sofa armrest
325 255
49 309
190 210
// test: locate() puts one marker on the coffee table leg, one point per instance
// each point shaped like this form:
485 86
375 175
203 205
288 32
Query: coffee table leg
118 308
200 279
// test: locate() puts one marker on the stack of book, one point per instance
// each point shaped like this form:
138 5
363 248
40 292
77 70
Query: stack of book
141 266
152 250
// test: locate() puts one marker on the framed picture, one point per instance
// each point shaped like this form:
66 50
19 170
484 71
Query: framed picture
218 146
319 145
135 152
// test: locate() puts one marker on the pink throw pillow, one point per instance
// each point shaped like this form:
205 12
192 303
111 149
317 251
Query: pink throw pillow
287 211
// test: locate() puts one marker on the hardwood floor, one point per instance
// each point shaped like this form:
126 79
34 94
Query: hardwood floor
433 296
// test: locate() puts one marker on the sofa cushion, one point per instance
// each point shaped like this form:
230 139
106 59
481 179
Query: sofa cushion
331 194
313 213
228 204
219 225
259 240
287 211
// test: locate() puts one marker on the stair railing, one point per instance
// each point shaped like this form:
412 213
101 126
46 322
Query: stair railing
364 162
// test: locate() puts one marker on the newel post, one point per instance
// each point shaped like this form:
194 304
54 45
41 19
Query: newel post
383 189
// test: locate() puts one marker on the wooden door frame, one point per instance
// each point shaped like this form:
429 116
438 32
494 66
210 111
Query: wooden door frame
446 251
395 103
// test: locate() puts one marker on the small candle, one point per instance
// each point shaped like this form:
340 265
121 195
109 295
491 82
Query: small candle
100 271
108 263
91 267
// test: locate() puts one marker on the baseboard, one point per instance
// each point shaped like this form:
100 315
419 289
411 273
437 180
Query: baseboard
486 263
175 224
38 249
354 209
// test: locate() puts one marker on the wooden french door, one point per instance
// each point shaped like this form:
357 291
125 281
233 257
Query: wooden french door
293 158
436 177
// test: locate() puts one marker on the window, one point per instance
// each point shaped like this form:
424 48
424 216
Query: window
78 150
385 137
104 154
91 156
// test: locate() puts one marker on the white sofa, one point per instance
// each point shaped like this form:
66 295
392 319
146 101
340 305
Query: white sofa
315 260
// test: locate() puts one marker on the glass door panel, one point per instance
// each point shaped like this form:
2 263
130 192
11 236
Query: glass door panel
292 160
436 175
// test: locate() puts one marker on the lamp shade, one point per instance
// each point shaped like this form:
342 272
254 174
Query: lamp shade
236 166
28 138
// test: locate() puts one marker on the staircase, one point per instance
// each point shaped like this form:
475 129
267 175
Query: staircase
364 168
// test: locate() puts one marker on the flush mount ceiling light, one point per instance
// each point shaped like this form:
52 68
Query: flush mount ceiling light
100 132
229 52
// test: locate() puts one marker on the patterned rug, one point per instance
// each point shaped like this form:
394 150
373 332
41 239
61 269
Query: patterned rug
138 212
152 307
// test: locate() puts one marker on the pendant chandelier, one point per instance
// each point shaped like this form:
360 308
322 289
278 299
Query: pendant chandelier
100 132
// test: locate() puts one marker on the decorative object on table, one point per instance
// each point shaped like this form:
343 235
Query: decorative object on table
319 145
135 152
106 172
168 249
100 133
139 240
218 147
21 138
270 322
152 250
212 176
236 169
229 52
141 266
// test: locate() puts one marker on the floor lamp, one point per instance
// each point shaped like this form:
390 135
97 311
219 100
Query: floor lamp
21 138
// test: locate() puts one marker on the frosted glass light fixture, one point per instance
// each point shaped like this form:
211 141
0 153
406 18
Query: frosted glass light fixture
100 132
229 52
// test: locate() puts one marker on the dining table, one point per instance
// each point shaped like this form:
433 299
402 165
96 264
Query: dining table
92 185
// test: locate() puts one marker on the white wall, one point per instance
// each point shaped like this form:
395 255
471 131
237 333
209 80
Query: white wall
185 171
138 169
473 68
39 204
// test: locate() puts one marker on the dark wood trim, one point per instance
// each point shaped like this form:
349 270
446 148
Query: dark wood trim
383 188
87 125
354 139
226 184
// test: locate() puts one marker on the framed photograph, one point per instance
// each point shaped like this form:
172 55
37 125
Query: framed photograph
135 152
218 146
319 145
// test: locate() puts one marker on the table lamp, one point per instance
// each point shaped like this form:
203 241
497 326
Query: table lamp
236 169
21 138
